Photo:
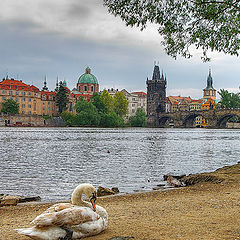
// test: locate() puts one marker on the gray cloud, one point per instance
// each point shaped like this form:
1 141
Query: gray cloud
76 34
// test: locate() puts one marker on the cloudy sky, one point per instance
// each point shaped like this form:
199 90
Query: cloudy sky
62 37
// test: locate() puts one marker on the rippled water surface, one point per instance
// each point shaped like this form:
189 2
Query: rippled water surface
50 162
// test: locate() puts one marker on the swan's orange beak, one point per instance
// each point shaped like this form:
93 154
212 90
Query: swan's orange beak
93 200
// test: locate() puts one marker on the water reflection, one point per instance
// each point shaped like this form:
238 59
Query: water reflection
50 162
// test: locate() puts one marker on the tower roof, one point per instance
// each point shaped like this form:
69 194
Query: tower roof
209 82
156 74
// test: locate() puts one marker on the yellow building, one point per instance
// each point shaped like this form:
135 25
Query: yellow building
31 100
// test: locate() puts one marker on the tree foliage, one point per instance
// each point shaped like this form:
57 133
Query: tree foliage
205 24
10 106
120 104
61 98
107 100
139 120
229 100
97 102
87 114
111 120
69 118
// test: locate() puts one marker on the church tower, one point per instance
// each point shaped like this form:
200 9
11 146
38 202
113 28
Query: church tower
156 96
209 91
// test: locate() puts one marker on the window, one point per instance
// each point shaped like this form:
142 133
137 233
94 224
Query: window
29 99
4 98
17 99
29 93
22 88
133 105
23 105
23 99
29 112
43 108
23 112
43 103
50 97
10 92
85 88
29 105
23 93
133 110
48 103
92 88
3 91
17 93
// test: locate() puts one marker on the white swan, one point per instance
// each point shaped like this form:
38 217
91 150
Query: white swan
65 221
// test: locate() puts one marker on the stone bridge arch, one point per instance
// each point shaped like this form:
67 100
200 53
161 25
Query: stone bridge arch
165 121
189 120
222 121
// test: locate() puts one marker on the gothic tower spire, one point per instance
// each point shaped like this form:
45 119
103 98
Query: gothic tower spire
45 88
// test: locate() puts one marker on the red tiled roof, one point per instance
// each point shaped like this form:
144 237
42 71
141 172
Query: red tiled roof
140 93
197 100
178 98
16 85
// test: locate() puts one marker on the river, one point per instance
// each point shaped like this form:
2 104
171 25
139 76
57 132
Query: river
50 162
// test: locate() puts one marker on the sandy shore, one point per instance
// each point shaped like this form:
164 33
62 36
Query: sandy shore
203 211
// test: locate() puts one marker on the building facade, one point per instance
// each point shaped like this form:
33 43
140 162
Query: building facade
135 100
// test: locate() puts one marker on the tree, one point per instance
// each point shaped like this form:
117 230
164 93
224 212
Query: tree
69 118
111 120
139 120
10 106
107 100
120 104
97 102
61 98
229 100
206 24
87 114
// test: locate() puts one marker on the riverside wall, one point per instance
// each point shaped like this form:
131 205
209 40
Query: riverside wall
30 121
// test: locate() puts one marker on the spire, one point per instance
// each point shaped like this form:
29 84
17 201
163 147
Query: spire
156 73
45 88
56 89
209 81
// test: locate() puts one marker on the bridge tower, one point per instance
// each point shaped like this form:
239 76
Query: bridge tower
209 91
156 97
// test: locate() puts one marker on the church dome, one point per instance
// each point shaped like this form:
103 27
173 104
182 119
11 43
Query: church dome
87 77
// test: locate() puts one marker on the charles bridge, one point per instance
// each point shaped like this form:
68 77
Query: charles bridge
216 118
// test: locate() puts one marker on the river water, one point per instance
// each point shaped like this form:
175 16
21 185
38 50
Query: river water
50 162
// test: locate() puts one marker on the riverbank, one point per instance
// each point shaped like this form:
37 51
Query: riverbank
206 210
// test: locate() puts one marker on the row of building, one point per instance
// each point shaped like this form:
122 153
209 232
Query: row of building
33 101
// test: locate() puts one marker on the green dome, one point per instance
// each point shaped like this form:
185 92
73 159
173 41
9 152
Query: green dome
88 78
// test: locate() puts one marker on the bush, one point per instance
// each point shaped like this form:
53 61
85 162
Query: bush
139 120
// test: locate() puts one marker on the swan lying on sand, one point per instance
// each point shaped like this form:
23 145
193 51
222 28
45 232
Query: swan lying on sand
65 221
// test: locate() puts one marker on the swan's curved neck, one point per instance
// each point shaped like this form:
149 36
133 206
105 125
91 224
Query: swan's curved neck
77 197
